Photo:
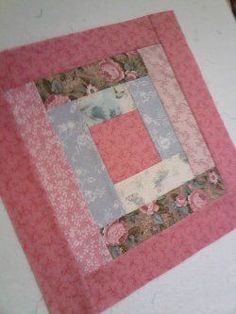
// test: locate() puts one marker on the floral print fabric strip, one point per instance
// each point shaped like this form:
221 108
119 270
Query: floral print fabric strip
106 104
143 223
177 108
88 168
151 183
91 78
155 117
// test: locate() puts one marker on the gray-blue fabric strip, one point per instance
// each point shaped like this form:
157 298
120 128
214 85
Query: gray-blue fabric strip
92 176
155 117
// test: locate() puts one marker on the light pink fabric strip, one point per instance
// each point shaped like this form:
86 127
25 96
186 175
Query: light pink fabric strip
177 108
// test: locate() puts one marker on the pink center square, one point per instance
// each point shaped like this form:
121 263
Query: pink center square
124 145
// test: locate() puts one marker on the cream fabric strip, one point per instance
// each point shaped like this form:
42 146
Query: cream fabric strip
152 183
105 104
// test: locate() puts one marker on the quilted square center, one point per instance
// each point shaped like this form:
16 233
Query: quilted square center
125 145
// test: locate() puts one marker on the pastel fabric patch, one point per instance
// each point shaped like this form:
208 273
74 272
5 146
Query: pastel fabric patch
125 145
155 117
151 183
106 104
177 108
89 170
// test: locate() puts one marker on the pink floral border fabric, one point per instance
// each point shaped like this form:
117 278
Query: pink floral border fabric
70 210
36 61
32 214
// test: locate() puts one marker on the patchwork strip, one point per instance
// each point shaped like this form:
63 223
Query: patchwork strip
155 118
141 224
106 104
89 170
177 108
153 182
125 145
91 78
67 206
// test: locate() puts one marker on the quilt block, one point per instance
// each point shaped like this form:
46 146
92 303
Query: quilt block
134 106
125 173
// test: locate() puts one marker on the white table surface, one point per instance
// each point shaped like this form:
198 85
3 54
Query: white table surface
204 283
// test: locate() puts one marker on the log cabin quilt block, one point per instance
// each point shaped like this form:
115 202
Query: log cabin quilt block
131 109
120 160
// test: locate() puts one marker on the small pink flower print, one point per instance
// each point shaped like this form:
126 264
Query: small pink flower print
111 70
198 199
131 75
181 201
91 89
116 233
54 100
213 177
149 209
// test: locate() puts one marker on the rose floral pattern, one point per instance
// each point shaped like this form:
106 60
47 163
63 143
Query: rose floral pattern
141 224
116 233
91 78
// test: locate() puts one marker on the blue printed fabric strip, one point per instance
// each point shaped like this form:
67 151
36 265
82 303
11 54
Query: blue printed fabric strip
155 117
93 179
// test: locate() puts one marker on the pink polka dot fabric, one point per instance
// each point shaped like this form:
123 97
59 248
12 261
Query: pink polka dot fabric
73 268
